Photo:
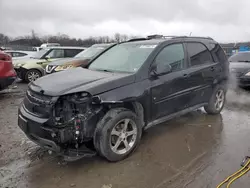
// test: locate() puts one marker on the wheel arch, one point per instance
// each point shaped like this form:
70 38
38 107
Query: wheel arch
134 106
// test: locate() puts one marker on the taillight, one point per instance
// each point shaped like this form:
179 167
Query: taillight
5 57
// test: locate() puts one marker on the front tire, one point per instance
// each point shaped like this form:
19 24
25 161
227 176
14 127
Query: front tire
117 134
217 100
32 75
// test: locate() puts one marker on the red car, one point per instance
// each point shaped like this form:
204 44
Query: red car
7 72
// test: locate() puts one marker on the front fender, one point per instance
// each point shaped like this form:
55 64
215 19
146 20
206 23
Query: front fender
131 92
29 66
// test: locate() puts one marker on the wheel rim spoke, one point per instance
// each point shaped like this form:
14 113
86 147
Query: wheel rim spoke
117 144
130 133
115 132
127 147
126 122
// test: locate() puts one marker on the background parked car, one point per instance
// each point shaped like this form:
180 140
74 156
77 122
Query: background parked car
33 68
240 68
19 54
80 60
7 72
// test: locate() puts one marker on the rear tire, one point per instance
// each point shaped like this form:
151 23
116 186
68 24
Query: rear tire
217 100
117 134
32 75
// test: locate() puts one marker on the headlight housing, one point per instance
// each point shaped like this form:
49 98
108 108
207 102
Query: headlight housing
18 65
63 67
247 74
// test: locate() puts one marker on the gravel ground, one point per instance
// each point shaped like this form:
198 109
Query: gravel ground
194 151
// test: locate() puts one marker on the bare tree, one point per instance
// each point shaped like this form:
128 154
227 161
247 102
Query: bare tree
124 37
117 37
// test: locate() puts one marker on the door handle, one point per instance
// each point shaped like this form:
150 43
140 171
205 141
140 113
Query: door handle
212 68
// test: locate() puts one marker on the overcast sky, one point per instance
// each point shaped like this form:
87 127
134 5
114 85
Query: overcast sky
224 20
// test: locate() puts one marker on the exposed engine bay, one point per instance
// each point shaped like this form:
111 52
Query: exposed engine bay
76 114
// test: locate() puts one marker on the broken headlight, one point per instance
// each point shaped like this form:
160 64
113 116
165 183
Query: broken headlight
69 107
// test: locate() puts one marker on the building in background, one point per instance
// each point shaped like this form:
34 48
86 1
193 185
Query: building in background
232 48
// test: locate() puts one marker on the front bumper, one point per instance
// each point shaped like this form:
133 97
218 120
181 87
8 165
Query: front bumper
6 81
20 72
244 81
35 130
51 138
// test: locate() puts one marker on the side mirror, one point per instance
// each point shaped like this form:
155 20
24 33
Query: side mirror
47 57
161 69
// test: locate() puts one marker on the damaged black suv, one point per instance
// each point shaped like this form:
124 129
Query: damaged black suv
126 89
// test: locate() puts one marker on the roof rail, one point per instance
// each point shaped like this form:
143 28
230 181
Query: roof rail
136 39
195 37
165 37
156 36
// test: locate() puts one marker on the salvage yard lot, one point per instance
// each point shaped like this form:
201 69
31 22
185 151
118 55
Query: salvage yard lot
195 150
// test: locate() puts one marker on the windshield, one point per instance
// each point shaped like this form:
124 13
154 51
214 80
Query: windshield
90 52
240 57
126 57
40 54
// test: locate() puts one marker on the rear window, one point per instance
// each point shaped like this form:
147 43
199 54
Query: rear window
218 53
71 52
240 57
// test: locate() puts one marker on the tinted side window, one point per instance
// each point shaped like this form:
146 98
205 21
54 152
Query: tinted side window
18 54
71 52
56 53
218 53
198 54
172 55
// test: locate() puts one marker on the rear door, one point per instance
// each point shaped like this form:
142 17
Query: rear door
201 72
170 92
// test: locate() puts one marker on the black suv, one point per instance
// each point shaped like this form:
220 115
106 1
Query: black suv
126 89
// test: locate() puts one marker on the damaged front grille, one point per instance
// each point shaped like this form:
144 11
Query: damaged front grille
78 112
68 107
38 104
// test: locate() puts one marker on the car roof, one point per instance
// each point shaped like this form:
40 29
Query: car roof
102 45
157 39
66 47
21 51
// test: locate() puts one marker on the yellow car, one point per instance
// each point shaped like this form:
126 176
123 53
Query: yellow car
30 69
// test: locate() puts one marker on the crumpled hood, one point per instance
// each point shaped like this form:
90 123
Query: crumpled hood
78 80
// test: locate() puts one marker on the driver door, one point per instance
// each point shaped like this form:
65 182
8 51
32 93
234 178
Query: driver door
53 55
170 92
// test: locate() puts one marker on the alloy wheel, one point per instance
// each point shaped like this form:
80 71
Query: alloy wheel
33 75
219 99
123 136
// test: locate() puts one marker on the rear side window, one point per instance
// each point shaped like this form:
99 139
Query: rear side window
218 53
18 54
198 54
71 52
